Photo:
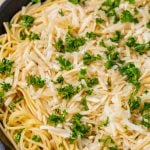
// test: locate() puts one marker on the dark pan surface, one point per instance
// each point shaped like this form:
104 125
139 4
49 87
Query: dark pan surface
8 9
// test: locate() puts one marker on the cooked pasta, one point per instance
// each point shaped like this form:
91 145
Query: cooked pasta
75 75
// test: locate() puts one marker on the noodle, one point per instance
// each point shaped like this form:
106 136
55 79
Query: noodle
77 76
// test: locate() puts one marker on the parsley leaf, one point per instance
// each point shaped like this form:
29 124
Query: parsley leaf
146 115
27 21
68 91
142 48
64 63
128 17
91 35
61 12
36 81
78 128
82 74
132 73
148 25
116 37
60 45
18 135
60 79
84 104
99 20
131 1
5 66
107 140
111 4
104 123
134 103
92 81
5 86
112 59
89 58
33 36
77 1
1 97
23 36
73 43
131 41
36 138
56 119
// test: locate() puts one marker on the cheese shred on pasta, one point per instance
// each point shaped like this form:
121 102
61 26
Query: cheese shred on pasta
75 75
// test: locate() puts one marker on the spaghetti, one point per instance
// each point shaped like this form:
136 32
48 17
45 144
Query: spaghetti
76 75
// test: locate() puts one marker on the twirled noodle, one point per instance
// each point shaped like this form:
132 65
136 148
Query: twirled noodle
27 117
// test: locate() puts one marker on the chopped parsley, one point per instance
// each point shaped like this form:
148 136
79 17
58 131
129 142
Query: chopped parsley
27 21
111 4
89 58
148 25
112 59
146 115
91 35
33 36
57 118
61 12
89 91
131 1
1 97
77 1
134 103
128 17
132 73
104 123
140 48
72 43
92 81
131 41
106 140
82 74
64 63
5 86
99 20
12 105
84 104
5 66
60 79
18 135
79 129
116 37
23 36
68 91
60 45
36 81
113 148
36 138
36 1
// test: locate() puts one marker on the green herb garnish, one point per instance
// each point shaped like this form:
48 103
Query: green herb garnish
79 129
68 91
36 81
18 135
92 81
36 138
33 36
132 73
91 35
61 12
104 123
64 63
82 74
5 86
27 21
116 37
99 20
84 104
89 58
148 25
128 17
23 36
5 66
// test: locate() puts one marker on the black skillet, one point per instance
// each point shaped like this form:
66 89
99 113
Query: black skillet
7 11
